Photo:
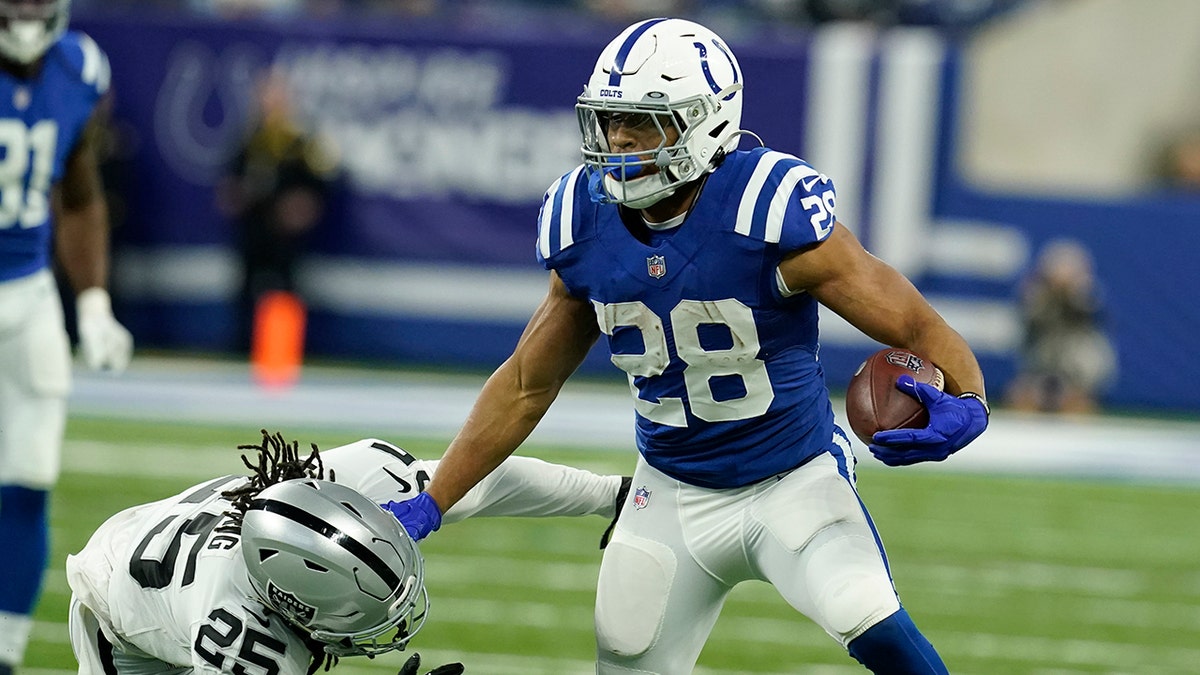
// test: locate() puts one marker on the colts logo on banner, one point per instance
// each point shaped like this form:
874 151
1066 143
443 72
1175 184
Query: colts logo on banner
641 497
656 265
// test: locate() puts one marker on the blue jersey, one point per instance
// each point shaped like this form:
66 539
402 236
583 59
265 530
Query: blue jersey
722 363
41 120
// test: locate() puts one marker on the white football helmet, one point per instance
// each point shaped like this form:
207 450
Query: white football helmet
669 73
335 564
29 27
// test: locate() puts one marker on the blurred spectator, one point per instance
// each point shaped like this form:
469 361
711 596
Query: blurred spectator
275 192
1180 168
1066 357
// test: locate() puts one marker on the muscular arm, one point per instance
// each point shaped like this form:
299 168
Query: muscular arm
526 486
519 486
517 395
882 303
81 213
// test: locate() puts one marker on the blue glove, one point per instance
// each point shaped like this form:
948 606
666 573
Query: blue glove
953 423
420 515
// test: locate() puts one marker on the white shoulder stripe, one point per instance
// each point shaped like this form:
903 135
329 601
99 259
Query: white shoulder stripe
567 218
559 209
779 202
745 213
95 64
546 218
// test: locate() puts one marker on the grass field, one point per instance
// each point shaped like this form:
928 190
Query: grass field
1005 575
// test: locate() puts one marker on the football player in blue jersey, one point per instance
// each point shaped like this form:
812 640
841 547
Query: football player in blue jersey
702 266
51 86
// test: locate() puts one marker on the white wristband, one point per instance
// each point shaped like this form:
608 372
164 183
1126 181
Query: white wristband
93 301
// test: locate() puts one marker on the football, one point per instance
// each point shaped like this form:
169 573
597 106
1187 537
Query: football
873 403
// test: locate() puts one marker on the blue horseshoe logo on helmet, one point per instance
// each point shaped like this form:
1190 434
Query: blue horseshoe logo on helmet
708 73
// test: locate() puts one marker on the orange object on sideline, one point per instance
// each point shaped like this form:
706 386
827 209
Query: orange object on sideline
277 345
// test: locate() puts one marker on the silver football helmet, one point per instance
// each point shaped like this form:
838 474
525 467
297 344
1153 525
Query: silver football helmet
29 27
660 74
335 564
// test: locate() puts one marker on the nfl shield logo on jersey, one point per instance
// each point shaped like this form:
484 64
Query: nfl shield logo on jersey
656 265
641 497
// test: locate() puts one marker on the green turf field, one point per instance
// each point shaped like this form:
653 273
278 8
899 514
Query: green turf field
1005 575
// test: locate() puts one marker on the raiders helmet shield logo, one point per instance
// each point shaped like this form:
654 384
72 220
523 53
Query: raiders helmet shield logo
289 605
656 265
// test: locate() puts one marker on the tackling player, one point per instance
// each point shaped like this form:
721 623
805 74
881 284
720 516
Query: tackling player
284 571
702 266
51 86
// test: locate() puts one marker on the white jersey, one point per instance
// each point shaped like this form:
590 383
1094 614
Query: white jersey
166 581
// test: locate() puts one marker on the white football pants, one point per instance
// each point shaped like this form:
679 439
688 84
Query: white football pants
674 559
35 378
98 656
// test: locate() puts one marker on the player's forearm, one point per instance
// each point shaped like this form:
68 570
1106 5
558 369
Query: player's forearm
923 331
938 341
886 306
82 244
518 394
503 417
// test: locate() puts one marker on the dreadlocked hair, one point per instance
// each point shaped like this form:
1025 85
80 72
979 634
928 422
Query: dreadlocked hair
276 460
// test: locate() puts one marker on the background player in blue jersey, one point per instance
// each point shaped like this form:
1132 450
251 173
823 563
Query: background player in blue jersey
51 202
702 265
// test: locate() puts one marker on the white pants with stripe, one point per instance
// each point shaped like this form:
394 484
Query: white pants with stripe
673 560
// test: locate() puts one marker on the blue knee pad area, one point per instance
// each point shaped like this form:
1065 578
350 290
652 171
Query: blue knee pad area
25 531
894 646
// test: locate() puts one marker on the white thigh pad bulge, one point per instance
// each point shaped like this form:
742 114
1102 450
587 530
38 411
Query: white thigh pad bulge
842 582
631 595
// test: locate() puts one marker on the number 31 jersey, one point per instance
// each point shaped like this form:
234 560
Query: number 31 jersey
41 121
722 363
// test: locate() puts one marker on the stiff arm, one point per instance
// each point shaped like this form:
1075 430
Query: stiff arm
520 486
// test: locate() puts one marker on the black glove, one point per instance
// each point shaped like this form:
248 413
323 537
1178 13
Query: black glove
414 662
622 495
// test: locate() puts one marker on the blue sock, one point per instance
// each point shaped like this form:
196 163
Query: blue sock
894 646
25 531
